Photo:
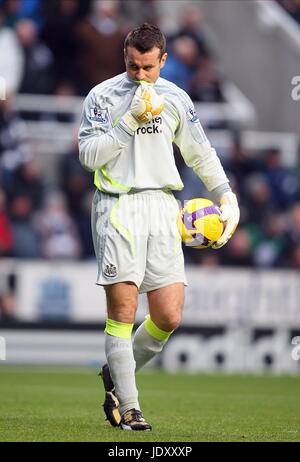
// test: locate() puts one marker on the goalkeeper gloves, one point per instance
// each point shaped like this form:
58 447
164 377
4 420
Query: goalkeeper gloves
145 105
230 215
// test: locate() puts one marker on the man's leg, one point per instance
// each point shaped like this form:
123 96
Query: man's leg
121 309
165 308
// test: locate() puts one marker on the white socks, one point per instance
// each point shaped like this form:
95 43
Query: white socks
121 365
145 347
124 357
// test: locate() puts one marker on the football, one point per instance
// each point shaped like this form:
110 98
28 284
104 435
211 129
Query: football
199 223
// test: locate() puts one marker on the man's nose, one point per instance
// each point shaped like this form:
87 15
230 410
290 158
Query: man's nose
140 75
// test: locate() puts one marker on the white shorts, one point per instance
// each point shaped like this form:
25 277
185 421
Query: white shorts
136 239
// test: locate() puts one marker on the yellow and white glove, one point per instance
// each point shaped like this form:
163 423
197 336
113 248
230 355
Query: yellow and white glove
145 105
230 215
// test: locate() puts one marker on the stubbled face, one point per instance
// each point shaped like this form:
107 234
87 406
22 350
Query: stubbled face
144 66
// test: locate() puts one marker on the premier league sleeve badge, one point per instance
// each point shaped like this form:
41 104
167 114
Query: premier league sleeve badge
99 115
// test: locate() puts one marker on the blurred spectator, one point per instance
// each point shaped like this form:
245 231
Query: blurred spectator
14 150
283 184
258 198
181 62
205 86
74 182
78 188
58 32
191 26
31 9
237 251
65 88
6 235
190 64
101 42
27 180
26 241
240 165
20 9
12 61
269 251
38 73
57 230
11 10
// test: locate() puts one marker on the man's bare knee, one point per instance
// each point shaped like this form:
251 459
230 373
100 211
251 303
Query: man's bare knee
169 323
165 306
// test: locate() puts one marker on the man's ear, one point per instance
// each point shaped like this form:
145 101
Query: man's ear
163 60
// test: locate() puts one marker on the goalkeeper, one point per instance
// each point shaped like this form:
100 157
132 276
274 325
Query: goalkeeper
128 125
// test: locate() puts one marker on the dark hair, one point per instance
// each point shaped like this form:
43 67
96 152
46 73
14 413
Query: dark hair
145 37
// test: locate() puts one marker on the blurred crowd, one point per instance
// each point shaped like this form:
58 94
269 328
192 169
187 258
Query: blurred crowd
68 46
292 7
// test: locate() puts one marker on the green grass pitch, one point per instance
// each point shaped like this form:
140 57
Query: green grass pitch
59 404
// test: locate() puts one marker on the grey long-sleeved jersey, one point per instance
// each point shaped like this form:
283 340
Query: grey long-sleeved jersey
123 160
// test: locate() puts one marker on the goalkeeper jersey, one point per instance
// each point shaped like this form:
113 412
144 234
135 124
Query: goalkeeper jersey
124 160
